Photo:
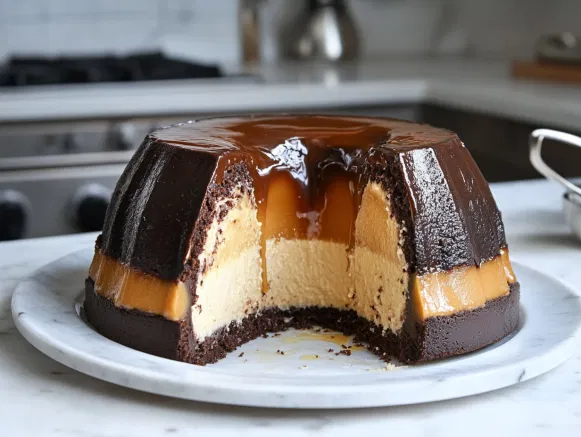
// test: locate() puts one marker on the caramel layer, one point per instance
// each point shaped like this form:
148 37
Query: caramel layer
131 289
462 288
434 294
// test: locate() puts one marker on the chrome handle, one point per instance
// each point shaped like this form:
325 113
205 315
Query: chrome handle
536 143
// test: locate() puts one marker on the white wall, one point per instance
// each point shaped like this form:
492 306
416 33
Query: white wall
208 28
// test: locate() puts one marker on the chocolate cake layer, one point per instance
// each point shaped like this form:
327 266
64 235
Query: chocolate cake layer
467 331
437 337
149 223
455 218
136 329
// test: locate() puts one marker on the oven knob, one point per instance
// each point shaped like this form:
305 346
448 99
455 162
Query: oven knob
14 210
90 204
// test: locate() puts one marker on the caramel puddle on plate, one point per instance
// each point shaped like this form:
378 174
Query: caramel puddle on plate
309 357
269 355
331 337
340 342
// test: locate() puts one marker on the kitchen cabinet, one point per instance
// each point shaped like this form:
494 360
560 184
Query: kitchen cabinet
500 146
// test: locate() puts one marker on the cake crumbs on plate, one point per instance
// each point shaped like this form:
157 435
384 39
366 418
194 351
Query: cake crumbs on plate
278 351
387 368
241 355
346 352
330 351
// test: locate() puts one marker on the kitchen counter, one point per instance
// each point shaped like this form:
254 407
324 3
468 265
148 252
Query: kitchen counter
39 394
481 86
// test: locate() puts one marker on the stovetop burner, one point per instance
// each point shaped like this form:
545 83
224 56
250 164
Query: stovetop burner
21 71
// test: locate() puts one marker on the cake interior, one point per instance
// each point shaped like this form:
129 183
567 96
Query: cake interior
361 269
369 276
371 279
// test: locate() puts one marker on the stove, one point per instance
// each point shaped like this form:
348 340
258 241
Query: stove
56 177
22 71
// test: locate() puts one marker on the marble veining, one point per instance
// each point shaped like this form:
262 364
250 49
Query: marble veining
68 403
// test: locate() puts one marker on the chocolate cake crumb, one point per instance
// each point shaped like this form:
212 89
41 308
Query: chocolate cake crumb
278 351
346 352
277 334
264 335
241 355
405 349
330 350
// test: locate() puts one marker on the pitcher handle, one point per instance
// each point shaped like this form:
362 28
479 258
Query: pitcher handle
536 143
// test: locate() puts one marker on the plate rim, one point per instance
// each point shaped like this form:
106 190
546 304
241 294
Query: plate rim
215 385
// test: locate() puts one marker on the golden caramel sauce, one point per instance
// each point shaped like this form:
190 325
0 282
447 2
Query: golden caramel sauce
308 357
331 337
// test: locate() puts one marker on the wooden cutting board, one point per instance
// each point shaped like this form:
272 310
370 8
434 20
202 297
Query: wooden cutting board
566 73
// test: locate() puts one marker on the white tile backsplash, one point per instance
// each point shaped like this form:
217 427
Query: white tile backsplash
208 29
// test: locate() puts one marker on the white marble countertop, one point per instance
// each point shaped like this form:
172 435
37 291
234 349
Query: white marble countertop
40 397
482 86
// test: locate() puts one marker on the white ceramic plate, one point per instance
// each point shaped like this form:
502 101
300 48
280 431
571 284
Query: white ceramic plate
308 375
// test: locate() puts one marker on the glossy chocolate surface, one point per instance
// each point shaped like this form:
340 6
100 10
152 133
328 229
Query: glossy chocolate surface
307 174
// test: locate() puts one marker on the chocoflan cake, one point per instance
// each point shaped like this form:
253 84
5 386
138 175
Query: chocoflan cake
220 230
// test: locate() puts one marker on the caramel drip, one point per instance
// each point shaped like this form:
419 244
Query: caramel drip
306 170
462 288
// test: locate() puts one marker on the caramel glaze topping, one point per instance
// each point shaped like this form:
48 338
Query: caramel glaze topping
307 171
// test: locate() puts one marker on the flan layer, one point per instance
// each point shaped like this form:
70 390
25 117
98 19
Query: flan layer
388 223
